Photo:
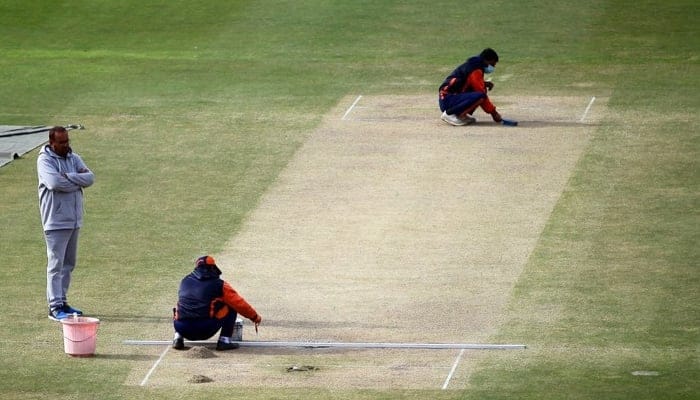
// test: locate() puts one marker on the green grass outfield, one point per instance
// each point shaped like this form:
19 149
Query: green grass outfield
193 109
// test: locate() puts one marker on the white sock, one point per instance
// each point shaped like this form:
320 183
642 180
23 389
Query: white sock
224 339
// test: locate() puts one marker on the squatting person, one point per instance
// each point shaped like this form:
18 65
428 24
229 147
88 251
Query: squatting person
465 89
62 177
207 303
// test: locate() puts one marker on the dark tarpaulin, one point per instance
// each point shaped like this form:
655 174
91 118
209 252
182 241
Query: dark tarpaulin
16 141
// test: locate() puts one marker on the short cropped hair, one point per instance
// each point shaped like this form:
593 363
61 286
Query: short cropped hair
489 54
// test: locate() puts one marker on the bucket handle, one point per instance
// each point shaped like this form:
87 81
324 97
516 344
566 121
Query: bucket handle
78 341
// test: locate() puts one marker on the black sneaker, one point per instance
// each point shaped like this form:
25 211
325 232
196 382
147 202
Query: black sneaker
57 314
179 343
70 310
221 346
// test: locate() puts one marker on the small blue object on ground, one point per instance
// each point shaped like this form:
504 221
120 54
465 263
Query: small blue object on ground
509 122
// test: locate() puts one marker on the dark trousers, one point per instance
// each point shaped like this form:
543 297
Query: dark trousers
202 329
455 104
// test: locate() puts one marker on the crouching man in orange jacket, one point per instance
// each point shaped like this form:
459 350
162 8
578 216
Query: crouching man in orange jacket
465 89
206 304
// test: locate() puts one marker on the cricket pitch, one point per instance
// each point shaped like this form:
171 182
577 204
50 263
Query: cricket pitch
390 226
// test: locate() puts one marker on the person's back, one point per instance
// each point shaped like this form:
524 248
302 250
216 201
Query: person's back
197 291
456 81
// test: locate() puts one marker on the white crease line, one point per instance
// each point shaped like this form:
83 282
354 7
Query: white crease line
452 371
588 108
347 345
351 107
153 368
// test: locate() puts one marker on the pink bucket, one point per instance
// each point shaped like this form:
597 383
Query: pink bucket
80 336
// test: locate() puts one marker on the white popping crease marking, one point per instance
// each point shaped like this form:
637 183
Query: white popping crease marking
347 345
351 107
153 368
452 371
588 108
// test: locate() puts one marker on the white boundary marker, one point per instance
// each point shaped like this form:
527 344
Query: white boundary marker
452 371
351 107
588 108
153 368
347 345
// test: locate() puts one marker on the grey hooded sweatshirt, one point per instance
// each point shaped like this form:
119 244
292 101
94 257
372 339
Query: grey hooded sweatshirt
61 189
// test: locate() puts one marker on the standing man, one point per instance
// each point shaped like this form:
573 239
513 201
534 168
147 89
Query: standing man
62 177
207 303
465 89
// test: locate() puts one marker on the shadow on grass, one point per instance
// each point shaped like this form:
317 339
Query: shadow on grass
153 319
127 357
267 322
551 124
538 124
321 324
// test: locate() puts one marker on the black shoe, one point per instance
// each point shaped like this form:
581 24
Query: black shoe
221 346
71 310
179 343
57 314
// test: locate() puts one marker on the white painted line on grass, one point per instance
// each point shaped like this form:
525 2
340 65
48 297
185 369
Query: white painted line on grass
347 345
351 107
588 108
452 371
155 365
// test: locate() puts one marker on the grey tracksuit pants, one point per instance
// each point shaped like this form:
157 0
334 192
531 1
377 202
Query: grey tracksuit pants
62 252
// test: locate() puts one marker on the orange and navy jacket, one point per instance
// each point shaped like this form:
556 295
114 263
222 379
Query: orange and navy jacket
203 294
468 77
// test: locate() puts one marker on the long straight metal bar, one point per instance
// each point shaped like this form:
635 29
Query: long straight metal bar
348 345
